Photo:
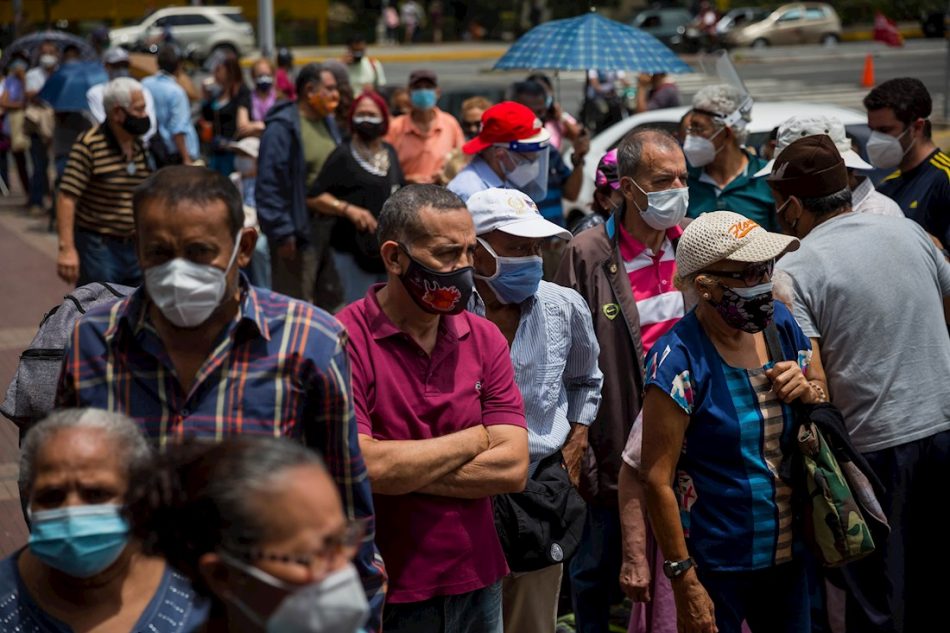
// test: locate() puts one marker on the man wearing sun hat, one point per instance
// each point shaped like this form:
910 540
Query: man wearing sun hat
868 289
511 151
554 352
864 198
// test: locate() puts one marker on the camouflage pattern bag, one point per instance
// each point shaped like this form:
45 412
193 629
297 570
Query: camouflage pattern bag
834 524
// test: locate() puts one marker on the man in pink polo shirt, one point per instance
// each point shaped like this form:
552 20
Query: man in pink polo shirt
624 269
441 421
424 137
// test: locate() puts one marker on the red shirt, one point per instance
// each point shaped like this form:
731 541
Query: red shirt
432 546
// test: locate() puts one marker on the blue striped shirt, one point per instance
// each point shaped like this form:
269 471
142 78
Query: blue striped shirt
734 508
554 354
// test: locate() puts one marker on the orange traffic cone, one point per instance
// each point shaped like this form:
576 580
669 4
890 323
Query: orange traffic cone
867 79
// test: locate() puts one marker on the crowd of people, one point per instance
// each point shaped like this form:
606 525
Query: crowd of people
368 380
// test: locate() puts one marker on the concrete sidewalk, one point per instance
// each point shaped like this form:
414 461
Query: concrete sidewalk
29 287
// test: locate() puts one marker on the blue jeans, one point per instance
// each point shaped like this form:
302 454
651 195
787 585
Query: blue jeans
771 600
104 258
39 180
595 570
477 611
356 281
258 271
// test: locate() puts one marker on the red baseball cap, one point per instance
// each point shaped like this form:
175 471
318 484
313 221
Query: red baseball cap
512 123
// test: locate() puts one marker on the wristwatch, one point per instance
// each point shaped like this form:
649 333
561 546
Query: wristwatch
674 568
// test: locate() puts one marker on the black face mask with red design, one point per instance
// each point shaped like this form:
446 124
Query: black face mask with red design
435 292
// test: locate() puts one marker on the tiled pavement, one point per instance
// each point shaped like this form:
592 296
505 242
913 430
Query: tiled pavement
28 288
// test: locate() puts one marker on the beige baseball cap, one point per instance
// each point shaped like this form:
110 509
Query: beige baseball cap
798 127
719 235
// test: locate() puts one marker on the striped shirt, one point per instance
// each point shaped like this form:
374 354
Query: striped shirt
279 369
659 303
734 507
102 180
923 194
554 354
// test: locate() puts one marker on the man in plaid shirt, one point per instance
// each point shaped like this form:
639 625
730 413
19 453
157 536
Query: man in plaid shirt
199 352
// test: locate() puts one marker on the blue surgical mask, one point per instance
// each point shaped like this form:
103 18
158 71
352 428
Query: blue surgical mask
516 279
424 99
80 541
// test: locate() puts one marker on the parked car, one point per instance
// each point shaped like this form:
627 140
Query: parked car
765 117
933 24
199 31
663 24
739 17
798 23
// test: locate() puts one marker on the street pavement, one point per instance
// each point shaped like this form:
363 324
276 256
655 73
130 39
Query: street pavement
29 287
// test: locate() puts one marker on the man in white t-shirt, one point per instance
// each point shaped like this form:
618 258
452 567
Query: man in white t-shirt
873 292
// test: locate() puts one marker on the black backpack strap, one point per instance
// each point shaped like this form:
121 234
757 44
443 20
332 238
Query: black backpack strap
114 292
76 302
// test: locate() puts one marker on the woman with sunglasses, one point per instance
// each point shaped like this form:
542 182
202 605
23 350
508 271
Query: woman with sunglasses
257 525
714 420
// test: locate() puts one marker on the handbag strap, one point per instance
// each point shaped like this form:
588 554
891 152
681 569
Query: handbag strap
774 343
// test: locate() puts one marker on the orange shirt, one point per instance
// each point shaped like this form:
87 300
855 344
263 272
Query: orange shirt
422 156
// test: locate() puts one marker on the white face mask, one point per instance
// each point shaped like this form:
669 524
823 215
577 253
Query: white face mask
48 61
665 209
337 604
187 293
700 151
885 151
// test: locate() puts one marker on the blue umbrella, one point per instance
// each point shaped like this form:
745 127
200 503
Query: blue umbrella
590 41
66 89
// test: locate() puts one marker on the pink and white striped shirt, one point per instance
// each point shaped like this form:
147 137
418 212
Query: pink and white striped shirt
659 303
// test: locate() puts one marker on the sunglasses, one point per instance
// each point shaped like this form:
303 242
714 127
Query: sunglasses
750 275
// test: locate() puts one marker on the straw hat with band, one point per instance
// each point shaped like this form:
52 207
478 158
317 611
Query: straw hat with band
725 235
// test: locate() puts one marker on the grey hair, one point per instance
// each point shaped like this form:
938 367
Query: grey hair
630 150
399 219
118 92
783 288
723 99
134 451
831 203
687 285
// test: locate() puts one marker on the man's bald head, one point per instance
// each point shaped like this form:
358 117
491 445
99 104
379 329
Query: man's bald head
632 149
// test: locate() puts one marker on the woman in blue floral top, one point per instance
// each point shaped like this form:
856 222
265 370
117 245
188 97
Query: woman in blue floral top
714 417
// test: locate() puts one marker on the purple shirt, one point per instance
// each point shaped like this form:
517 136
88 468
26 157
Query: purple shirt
432 545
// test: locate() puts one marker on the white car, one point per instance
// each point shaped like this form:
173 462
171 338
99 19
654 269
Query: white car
765 117
199 31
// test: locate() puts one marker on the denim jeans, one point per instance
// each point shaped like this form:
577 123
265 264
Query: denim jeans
477 611
39 180
258 270
595 570
356 281
104 258
771 600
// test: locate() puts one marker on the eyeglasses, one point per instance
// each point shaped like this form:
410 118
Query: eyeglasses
338 548
750 275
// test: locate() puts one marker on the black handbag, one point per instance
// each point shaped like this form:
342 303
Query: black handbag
542 525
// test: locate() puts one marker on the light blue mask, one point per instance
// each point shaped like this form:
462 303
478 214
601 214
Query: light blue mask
79 541
516 278
424 98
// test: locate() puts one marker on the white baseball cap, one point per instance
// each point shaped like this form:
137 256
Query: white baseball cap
719 235
512 212
798 127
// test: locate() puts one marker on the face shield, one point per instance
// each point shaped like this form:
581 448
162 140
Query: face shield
526 167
